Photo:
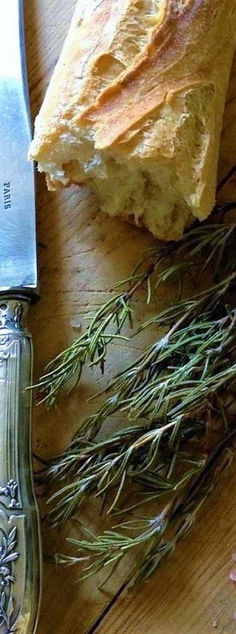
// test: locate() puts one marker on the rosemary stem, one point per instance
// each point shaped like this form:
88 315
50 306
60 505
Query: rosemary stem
226 178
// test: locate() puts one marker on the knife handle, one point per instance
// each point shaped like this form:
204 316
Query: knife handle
20 564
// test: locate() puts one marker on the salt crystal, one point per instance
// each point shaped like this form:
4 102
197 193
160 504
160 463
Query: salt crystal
75 324
232 575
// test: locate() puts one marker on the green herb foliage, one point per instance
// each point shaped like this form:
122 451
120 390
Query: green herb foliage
165 456
106 324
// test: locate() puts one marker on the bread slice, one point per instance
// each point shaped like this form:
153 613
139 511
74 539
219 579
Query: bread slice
134 108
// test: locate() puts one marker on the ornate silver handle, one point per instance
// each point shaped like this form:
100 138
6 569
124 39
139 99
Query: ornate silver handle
19 523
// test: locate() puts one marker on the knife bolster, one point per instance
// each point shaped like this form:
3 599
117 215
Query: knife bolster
13 315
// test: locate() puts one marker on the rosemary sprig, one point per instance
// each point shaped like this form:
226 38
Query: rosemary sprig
107 466
108 321
153 381
176 519
91 347
170 386
184 510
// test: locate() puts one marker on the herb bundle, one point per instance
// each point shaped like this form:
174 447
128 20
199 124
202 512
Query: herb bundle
166 455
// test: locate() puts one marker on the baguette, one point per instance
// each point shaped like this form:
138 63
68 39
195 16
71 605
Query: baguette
134 108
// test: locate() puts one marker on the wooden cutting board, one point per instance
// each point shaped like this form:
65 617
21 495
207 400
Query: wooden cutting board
81 255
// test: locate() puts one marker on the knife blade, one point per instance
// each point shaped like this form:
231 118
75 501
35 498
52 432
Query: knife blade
18 263
20 552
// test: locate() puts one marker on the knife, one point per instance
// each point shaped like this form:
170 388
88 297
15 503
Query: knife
20 562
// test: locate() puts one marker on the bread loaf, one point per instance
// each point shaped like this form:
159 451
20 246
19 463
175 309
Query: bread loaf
134 108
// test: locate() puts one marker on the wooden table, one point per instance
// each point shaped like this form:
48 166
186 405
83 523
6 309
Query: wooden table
84 254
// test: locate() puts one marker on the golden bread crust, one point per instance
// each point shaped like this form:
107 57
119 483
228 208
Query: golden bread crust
139 90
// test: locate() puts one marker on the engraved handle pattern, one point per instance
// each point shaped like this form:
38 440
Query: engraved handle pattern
19 523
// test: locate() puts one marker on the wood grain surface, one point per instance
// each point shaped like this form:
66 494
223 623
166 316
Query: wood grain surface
81 255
